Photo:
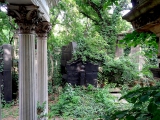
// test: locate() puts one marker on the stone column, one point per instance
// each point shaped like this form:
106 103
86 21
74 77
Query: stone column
26 17
42 73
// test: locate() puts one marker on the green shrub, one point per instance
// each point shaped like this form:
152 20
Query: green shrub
84 103
120 71
146 105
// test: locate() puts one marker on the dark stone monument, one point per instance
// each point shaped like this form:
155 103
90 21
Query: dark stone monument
77 72
6 72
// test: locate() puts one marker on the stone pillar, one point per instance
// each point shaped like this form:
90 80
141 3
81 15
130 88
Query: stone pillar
42 73
26 17
137 57
119 51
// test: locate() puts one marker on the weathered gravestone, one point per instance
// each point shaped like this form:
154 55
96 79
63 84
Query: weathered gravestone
77 72
5 72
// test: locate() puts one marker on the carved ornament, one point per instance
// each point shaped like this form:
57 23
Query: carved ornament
43 28
25 16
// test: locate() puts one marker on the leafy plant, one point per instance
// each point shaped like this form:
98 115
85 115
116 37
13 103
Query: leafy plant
40 110
120 71
92 49
7 26
148 41
146 105
84 103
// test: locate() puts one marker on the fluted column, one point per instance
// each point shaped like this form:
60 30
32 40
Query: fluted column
26 17
42 70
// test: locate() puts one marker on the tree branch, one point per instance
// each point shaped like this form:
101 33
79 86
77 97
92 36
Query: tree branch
95 7
96 22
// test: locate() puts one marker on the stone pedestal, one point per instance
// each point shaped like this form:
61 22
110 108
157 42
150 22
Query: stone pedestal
42 70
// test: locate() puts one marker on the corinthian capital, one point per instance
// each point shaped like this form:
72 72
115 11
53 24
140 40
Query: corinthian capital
43 28
25 16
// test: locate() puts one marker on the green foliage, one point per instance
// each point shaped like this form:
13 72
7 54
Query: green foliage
146 105
120 71
84 103
40 110
57 77
7 26
92 49
148 41
149 45
54 70
106 23
146 69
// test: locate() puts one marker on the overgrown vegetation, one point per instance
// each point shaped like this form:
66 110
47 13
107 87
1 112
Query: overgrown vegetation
120 71
85 103
94 25
146 105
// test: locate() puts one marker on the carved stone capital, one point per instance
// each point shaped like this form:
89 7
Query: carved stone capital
43 28
25 16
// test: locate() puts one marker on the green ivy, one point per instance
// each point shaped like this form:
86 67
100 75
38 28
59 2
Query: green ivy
148 42
84 103
146 105
120 71
92 49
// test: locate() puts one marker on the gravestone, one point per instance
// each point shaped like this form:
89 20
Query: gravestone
91 72
119 51
72 73
77 72
6 72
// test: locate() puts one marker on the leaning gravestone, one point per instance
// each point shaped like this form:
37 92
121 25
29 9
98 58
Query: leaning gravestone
5 72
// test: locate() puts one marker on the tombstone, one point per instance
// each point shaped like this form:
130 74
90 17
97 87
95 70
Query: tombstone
5 72
67 52
134 52
66 56
91 71
137 57
77 72
119 51
72 73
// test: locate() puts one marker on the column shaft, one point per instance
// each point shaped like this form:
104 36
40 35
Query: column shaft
42 73
27 85
42 67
